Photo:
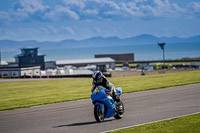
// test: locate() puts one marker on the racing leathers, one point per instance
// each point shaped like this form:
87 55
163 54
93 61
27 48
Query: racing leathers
105 83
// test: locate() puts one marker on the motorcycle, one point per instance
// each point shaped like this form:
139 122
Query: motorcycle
105 106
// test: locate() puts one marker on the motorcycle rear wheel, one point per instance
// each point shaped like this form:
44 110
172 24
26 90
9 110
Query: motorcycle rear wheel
99 116
120 110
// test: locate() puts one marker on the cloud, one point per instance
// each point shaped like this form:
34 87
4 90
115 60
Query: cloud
110 9
4 16
164 8
52 29
25 8
155 9
61 13
194 8
97 30
90 12
111 4
77 3
69 30
85 10
31 6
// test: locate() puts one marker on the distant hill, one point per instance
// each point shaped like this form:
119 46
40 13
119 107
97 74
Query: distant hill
143 39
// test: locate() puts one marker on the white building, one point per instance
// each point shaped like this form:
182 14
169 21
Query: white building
59 68
3 63
13 72
101 64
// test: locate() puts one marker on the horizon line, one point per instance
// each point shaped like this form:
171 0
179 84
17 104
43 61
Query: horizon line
104 38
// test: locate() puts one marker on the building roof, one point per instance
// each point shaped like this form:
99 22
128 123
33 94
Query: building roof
30 48
3 63
118 57
22 54
19 55
85 61
114 54
18 68
41 54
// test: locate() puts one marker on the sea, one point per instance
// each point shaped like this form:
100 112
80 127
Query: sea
141 52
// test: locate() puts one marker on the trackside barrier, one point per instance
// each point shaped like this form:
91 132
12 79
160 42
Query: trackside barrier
64 76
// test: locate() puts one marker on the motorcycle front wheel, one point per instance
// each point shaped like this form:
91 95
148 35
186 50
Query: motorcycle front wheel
99 116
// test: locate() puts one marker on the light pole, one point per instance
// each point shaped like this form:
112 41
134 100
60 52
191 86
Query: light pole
0 57
0 63
163 48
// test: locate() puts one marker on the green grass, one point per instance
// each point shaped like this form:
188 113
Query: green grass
149 82
26 94
187 124
130 65
118 65
30 93
173 63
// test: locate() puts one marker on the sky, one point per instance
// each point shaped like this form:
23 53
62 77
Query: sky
56 20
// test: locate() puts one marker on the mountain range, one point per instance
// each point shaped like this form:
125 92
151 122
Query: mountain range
144 39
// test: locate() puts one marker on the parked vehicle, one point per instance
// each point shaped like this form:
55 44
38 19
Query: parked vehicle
105 106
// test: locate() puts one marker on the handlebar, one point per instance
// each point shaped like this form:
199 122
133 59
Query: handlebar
108 92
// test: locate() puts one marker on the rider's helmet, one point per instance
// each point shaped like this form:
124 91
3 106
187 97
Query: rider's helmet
97 76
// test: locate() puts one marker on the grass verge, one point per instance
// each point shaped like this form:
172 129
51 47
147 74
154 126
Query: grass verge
186 124
30 93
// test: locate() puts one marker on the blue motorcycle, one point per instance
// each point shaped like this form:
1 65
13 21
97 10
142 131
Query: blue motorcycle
105 106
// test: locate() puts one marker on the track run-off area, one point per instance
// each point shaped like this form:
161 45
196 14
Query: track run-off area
77 116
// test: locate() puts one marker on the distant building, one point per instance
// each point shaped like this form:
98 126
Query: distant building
50 65
14 72
101 64
3 63
118 57
30 57
28 63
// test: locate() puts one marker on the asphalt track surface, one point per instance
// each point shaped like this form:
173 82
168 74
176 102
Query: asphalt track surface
77 116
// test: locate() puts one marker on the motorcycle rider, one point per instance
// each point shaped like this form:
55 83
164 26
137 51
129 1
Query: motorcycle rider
99 80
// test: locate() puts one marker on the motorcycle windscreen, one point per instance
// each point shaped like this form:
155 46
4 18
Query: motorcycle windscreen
119 91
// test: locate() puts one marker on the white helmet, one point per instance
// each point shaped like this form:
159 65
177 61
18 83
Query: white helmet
97 75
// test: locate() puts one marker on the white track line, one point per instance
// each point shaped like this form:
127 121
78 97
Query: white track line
151 122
